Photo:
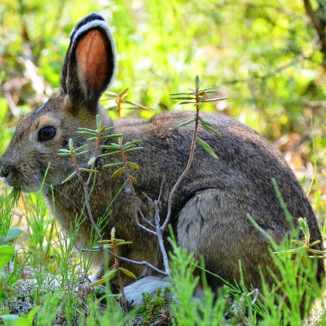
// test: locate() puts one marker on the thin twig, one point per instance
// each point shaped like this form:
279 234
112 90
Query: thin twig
320 29
159 234
87 200
270 73
158 230
125 165
127 260
117 267
96 153
187 168
143 226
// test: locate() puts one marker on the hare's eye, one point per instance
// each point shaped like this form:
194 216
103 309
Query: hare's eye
46 133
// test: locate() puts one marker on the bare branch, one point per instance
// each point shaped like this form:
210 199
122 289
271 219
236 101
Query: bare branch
127 260
159 234
145 219
85 188
270 73
319 27
185 171
144 227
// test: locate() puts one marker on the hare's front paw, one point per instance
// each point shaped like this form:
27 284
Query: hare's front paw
148 284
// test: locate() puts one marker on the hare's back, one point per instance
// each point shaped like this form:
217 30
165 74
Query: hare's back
246 163
247 169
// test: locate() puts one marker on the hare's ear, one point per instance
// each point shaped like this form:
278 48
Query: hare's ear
90 62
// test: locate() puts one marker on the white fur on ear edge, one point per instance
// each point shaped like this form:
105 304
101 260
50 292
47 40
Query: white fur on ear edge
104 26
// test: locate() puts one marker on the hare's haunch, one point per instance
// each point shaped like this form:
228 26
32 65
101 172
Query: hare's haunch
210 206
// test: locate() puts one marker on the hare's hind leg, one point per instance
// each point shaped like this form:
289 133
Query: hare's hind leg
213 224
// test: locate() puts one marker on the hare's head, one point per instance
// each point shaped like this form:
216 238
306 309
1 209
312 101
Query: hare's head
88 69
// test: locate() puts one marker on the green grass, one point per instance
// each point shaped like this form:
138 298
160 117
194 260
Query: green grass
46 273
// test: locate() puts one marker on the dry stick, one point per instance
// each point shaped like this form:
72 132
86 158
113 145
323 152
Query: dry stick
160 229
124 162
127 260
143 226
85 188
270 73
117 267
187 168
320 29
96 151
86 185
158 232
119 101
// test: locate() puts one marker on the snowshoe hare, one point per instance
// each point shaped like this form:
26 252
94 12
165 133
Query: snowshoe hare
210 206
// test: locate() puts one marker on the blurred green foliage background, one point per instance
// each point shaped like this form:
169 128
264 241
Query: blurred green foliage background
265 56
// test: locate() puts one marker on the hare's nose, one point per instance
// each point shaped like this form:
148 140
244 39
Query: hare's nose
4 171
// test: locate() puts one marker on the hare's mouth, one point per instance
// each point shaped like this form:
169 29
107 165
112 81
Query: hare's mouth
21 184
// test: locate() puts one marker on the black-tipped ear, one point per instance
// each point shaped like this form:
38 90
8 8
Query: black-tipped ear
90 62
